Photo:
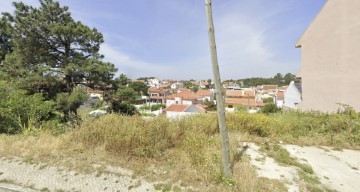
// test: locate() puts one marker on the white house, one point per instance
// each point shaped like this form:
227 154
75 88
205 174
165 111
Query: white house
184 98
207 94
177 85
292 95
279 98
177 111
153 82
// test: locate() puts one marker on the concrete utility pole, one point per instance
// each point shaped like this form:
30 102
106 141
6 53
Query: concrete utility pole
220 95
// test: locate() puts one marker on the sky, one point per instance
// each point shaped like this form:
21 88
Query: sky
168 39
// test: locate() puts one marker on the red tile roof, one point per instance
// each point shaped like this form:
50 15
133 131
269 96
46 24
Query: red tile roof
157 90
243 101
183 108
234 93
202 93
266 87
280 95
185 96
177 108
240 93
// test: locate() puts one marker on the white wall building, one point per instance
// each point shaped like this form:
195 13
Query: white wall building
177 111
292 95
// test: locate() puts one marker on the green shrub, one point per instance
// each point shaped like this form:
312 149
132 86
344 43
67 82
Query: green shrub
257 124
123 108
270 108
17 109
157 107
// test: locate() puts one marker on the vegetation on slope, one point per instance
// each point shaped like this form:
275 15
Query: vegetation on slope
184 150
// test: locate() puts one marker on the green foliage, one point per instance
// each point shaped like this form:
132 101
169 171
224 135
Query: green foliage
5 37
48 45
157 107
210 105
123 108
268 100
270 108
138 137
278 79
145 108
18 109
192 86
256 124
121 82
68 103
126 94
139 87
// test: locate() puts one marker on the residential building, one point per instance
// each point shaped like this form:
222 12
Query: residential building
184 98
292 95
178 110
158 95
279 99
330 51
237 98
177 85
153 82
206 94
204 84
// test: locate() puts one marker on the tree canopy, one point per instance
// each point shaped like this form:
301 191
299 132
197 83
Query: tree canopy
46 42
44 55
278 79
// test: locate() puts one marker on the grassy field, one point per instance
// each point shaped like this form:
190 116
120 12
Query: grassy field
185 151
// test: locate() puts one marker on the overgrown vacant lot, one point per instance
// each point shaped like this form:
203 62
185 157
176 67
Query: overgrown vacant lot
185 152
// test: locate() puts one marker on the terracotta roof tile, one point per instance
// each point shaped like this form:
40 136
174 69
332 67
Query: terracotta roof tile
280 95
177 108
184 95
234 93
243 101
202 93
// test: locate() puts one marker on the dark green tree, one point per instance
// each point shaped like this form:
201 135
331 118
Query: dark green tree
278 78
47 41
270 108
68 103
126 95
5 37
139 87
288 78
121 82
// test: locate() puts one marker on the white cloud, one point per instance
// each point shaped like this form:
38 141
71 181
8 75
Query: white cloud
242 41
133 67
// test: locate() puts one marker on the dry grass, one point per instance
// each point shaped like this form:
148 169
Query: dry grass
183 152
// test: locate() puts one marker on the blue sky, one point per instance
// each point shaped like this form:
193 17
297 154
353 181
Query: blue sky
168 38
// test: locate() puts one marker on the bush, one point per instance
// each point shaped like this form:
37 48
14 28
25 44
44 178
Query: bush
123 108
157 107
18 109
270 108
268 100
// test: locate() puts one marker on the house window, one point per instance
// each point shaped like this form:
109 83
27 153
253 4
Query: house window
230 106
177 102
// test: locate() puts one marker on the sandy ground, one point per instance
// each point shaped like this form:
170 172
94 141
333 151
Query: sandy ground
337 170
41 177
269 168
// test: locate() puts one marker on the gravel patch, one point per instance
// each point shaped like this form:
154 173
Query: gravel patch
269 168
339 170
48 178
